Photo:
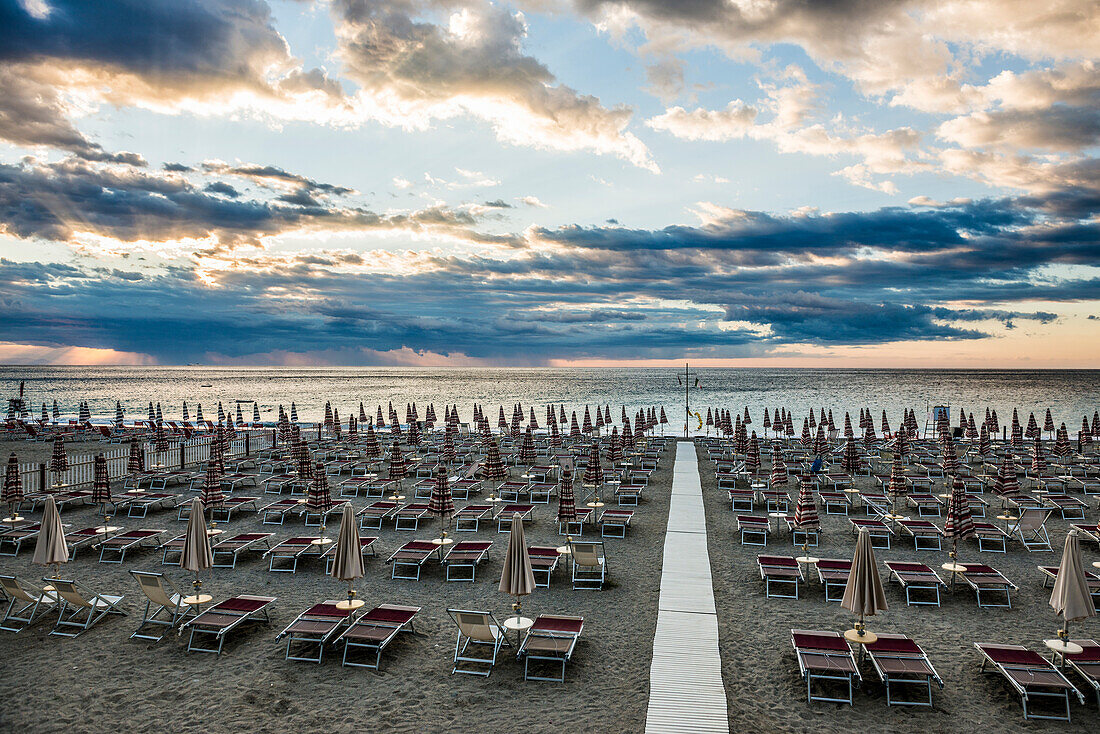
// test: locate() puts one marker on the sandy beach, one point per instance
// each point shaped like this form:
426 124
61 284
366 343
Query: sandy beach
102 679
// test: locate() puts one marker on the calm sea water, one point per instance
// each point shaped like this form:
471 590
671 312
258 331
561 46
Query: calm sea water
1069 394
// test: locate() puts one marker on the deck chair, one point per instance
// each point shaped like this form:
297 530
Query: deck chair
80 610
409 558
833 574
551 639
1031 530
464 558
825 656
899 660
982 578
589 564
161 598
315 628
375 630
780 570
1030 675
544 561
476 630
926 535
26 605
224 617
915 576
1086 664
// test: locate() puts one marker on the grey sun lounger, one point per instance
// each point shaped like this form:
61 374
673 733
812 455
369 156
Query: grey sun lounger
409 516
129 540
468 519
1030 675
227 551
375 630
26 605
289 551
314 628
898 660
825 656
373 515
409 558
990 537
463 558
926 535
551 640
477 631
80 609
222 618
916 576
988 580
274 513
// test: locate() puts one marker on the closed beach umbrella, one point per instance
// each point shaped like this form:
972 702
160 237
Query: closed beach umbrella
347 565
136 463
45 416
221 413
160 441
56 412
1070 598
863 594
567 508
441 504
152 413
779 468
371 448
59 461
85 413
897 488
448 453
198 413
805 509
493 468
362 413
593 472
293 412
13 484
101 483
212 495
160 415
752 456
527 448
51 548
574 427
398 468
255 412
850 461
959 525
120 417
197 555
516 578
186 414
318 497
379 420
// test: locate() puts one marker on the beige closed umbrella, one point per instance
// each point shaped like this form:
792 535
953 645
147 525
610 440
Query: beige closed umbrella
196 555
516 579
863 594
1071 598
51 549
347 565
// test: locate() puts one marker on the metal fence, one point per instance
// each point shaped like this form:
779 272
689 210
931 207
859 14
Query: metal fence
180 455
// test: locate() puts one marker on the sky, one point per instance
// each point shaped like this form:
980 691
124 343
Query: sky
895 183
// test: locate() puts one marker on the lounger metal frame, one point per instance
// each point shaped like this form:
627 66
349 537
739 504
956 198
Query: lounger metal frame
1023 692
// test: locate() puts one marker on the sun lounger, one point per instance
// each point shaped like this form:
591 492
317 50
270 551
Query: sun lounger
990 537
1050 575
1085 663
26 604
291 550
775 500
504 515
742 500
627 494
375 630
227 551
476 630
409 558
781 571
1068 506
468 518
1030 675
1087 532
78 539
464 557
80 609
316 519
161 598
13 539
373 515
754 529
224 617
834 503
825 656
122 542
986 579
1030 529
172 547
614 522
925 534
463 488
409 516
366 548
833 574
139 505
544 561
802 536
589 564
541 492
551 639
224 511
274 513
879 532
926 504
576 528
899 660
314 628
915 576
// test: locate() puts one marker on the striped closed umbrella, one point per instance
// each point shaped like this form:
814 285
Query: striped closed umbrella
574 427
221 413
752 456
593 472
628 435
950 461
136 463
959 524
379 419
398 468
56 412
448 452
160 441
328 415
160 415
336 427
850 461
353 430
101 483
120 417
198 413
527 448
805 509
152 413
13 484
779 468
1038 460
897 487
186 414
59 461
413 438
362 414
614 446
441 504
555 435
493 469
255 412
318 497
302 460
1006 481
211 494
371 448
293 412
45 416
567 508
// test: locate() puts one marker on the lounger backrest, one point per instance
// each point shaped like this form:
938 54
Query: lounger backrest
1033 518
475 625
14 589
67 590
153 586
587 554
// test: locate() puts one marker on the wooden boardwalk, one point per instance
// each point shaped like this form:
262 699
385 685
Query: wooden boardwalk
685 679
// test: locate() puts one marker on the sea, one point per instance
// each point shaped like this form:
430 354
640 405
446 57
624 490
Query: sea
1069 394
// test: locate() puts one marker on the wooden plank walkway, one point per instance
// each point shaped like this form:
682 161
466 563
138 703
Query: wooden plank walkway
686 693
